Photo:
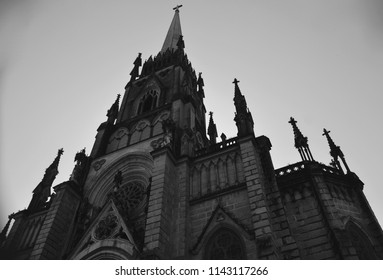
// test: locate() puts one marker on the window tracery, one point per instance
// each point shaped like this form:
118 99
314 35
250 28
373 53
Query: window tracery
148 102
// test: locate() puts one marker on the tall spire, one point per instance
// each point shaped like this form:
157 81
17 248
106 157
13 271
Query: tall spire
174 32
335 152
243 118
43 189
301 142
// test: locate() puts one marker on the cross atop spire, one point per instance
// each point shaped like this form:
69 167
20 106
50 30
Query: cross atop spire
176 8
174 32
301 142
237 91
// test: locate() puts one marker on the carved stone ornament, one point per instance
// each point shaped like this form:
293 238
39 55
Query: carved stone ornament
98 164
106 227
161 142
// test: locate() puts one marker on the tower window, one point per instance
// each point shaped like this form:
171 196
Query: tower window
148 102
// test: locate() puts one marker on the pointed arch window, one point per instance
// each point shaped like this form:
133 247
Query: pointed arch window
148 102
224 245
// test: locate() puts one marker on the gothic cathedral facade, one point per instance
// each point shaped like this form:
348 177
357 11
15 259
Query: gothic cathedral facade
158 185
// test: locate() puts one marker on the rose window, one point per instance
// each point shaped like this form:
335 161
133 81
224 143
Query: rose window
130 196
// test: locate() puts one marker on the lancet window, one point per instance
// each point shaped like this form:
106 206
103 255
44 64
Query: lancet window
148 102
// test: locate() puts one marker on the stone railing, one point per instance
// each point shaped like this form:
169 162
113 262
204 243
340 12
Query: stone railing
214 148
329 169
290 169
299 166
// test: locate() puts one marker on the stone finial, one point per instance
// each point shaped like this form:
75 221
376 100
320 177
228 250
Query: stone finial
181 43
135 71
212 130
200 84
113 111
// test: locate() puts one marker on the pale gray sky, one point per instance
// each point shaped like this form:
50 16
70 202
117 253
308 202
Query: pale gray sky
62 63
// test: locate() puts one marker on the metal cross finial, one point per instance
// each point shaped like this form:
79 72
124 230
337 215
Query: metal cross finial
325 132
235 81
292 121
176 8
211 114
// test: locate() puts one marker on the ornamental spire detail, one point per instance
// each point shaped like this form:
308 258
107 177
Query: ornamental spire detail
301 142
335 152
43 190
243 118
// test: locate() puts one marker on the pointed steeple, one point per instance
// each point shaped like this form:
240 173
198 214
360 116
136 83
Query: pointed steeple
212 130
243 118
43 189
174 33
335 152
301 142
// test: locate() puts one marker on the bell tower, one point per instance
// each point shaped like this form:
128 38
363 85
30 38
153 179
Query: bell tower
164 95
134 183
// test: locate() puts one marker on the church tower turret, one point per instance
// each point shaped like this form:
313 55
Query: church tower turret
166 89
243 118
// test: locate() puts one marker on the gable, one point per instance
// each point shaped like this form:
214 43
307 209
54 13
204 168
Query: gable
107 230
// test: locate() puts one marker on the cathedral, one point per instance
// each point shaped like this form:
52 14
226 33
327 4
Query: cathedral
159 183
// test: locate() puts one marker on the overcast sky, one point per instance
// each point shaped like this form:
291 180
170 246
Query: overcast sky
62 63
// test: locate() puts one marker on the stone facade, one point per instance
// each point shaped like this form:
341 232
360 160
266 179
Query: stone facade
157 185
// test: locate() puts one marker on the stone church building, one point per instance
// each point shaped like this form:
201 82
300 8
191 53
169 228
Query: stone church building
159 185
